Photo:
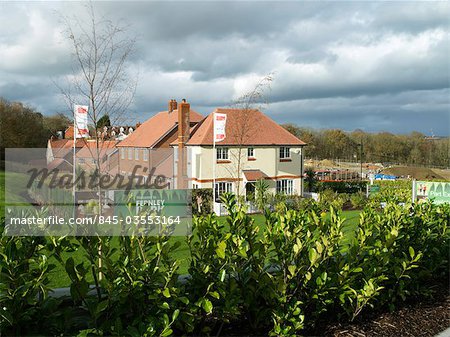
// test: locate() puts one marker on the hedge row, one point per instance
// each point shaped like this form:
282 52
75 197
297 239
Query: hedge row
280 278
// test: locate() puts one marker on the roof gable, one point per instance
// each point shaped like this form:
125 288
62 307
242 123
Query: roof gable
245 127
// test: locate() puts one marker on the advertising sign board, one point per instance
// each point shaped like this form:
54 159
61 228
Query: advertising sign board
437 191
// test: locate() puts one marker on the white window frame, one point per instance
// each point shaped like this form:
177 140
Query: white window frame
251 152
136 153
285 152
222 153
222 187
122 153
145 155
285 186
130 153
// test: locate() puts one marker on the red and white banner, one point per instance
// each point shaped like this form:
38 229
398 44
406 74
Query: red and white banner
81 121
220 121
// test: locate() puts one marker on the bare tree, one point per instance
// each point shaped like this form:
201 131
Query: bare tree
246 127
100 76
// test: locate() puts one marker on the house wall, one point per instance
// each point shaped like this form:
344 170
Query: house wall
156 155
266 159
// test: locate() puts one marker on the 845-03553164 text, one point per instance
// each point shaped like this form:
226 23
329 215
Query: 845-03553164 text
97 219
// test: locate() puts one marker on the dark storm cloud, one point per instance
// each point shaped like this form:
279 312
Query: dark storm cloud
369 65
425 110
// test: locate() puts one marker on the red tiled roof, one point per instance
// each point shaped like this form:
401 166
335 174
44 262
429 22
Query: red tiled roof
152 130
67 143
244 127
104 146
68 134
56 163
254 175
63 147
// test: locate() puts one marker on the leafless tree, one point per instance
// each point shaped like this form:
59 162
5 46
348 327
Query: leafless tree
101 51
246 127
100 75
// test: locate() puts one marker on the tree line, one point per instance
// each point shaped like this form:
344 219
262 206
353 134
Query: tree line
414 148
23 127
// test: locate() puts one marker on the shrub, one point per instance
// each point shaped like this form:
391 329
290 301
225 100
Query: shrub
24 285
202 201
358 200
330 198
341 186
302 267
228 274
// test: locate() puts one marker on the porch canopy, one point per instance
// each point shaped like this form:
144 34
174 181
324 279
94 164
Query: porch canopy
254 175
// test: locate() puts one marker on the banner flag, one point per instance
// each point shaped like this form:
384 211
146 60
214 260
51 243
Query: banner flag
81 121
220 121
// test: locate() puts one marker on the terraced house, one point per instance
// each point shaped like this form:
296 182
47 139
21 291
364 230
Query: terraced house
179 143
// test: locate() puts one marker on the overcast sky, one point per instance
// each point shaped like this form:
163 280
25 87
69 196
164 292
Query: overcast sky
376 66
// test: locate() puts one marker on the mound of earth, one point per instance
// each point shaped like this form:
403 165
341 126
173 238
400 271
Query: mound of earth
419 173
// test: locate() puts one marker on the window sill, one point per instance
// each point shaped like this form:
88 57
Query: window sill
251 158
223 161
285 160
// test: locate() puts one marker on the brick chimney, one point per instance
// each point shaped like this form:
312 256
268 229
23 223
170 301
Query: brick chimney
183 137
172 105
183 122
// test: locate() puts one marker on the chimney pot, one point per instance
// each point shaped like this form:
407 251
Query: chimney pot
172 105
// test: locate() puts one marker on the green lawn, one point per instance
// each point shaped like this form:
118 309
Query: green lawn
14 195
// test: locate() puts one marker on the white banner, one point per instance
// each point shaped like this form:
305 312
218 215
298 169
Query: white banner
220 121
81 121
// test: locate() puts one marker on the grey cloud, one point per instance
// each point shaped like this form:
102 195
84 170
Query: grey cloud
403 112
205 51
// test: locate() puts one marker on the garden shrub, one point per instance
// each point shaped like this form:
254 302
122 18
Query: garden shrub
358 200
399 191
24 285
341 186
202 201
304 266
329 198
228 271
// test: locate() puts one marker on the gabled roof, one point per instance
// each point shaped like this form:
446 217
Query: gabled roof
244 127
155 128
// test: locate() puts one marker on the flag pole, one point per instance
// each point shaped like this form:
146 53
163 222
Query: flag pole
74 160
214 160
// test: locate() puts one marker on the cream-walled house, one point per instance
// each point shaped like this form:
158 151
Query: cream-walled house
255 147
180 140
